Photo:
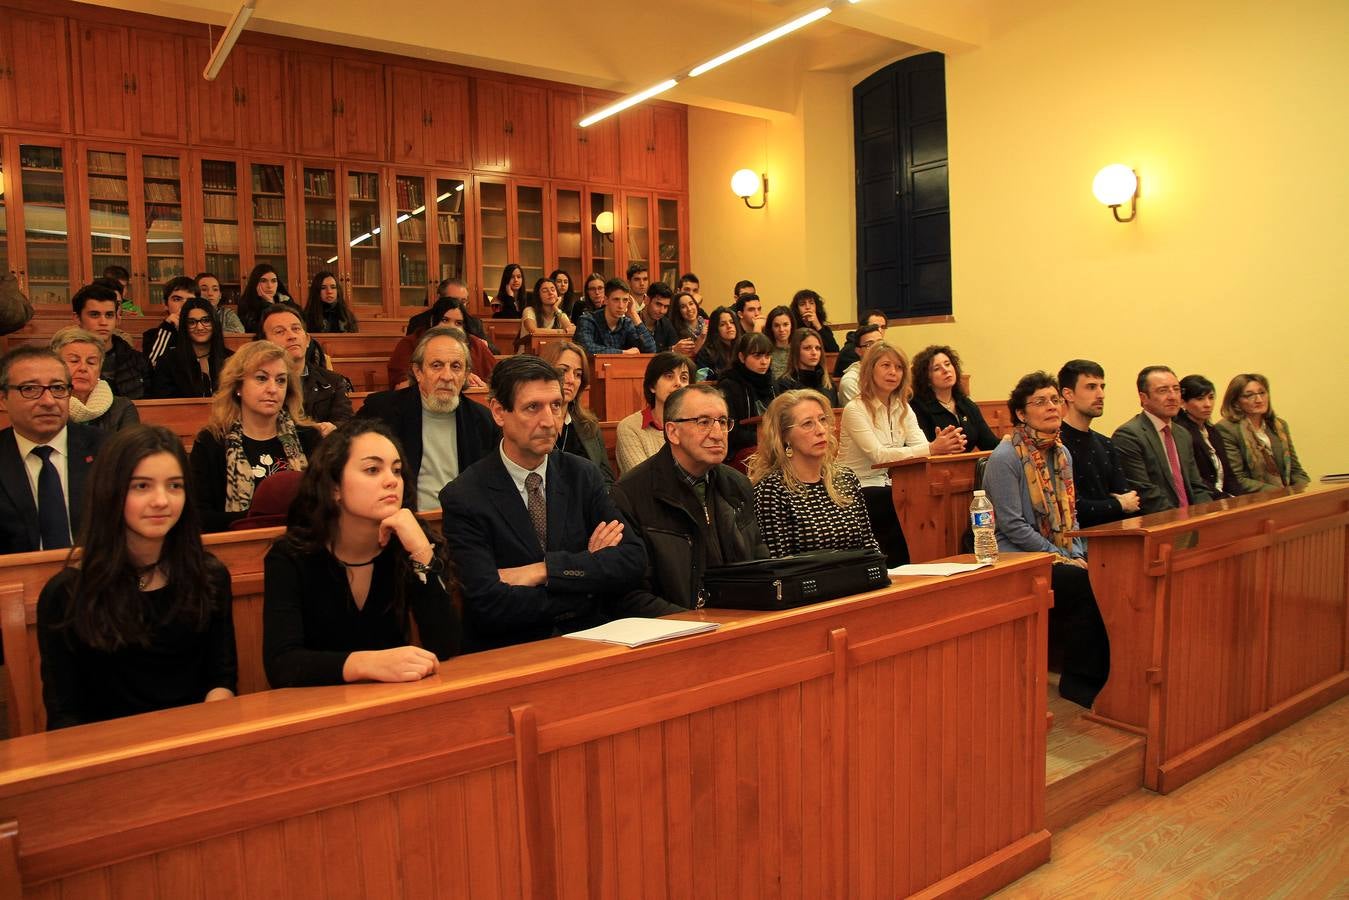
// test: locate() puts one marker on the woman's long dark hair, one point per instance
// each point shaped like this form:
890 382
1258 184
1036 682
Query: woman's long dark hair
564 301
722 353
106 608
311 525
186 352
314 319
506 275
808 294
250 304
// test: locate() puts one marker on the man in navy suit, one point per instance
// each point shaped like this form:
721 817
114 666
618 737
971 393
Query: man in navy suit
441 436
44 460
540 547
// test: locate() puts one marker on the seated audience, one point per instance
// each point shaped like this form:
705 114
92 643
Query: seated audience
1210 447
91 399
326 309
208 289
808 312
778 327
689 284
191 367
638 277
257 428
749 308
145 620
803 499
119 279
325 392
939 401
718 353
263 288
640 436
849 355
161 339
692 511
440 435
456 289
1030 483
879 427
611 330
1158 459
98 311
684 330
44 458
580 432
354 570
659 299
509 301
1103 493
591 299
1259 446
742 287
864 338
451 313
748 388
542 313
566 291
805 366
540 547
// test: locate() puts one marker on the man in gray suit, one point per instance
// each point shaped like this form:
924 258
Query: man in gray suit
1158 460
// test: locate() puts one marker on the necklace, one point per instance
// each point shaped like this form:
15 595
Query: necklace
145 576
352 565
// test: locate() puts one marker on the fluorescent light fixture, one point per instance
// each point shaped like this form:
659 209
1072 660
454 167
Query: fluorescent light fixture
226 42
756 43
624 103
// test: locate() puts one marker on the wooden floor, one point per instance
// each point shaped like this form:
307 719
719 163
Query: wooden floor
1273 822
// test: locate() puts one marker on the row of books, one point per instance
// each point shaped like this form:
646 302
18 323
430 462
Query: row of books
411 271
221 237
220 206
39 267
108 187
226 268
159 166
218 176
449 229
31 157
320 231
269 208
413 229
269 238
410 194
362 186
161 270
107 163
269 179
161 191
365 271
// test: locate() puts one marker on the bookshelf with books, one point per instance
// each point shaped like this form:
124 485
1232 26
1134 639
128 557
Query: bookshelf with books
496 248
162 221
35 218
366 285
568 226
602 246
342 232
654 232
268 216
530 216
220 223
108 193
635 237
414 254
669 241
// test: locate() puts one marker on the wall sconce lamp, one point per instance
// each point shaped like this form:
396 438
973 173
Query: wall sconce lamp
604 224
745 183
1114 185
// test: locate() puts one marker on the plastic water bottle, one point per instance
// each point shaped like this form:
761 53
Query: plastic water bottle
985 534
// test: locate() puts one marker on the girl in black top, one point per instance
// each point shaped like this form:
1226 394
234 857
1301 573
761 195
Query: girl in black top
263 288
718 353
808 311
748 388
144 621
566 291
510 298
805 366
354 568
191 367
326 308
939 402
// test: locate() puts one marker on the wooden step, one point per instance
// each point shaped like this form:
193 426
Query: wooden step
1088 765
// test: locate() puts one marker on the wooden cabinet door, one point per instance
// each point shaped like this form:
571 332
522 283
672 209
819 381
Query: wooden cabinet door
315 105
565 140
669 154
102 85
527 130
36 81
446 98
7 87
636 133
409 115
359 90
599 142
491 147
262 79
213 106
158 94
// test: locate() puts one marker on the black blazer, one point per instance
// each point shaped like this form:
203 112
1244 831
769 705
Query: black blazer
491 530
401 410
18 510
1208 473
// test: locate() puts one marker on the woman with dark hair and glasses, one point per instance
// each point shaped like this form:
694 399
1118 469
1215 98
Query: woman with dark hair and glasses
1030 483
509 301
640 435
191 367
354 570
590 299
1259 445
1210 447
142 620
326 308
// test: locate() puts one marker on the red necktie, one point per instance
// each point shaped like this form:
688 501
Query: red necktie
1177 479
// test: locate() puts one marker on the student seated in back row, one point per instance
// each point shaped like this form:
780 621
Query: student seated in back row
191 367
98 311
143 621
612 330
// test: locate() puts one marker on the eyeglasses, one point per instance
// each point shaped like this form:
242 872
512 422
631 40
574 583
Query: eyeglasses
820 424
34 391
199 323
1167 391
1254 395
705 423
1042 402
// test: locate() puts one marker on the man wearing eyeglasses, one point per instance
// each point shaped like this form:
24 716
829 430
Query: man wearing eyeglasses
691 510
1158 459
44 459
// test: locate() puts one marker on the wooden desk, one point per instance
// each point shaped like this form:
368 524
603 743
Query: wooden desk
338 345
932 498
502 333
873 746
997 416
616 384
1227 622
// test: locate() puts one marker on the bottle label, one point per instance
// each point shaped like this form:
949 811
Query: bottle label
982 518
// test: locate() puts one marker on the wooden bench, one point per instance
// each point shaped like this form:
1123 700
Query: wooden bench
932 499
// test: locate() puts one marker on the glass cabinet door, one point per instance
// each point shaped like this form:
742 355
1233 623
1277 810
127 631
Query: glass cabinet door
450 243
320 222
667 241
367 270
638 227
5 265
109 194
46 238
162 189
569 219
220 223
529 231
410 217
269 222
602 227
495 240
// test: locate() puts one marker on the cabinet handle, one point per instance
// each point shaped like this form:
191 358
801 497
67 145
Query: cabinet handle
334 107
134 86
342 107
236 96
126 85
243 96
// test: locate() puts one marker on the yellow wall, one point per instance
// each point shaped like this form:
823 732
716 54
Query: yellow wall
1235 116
